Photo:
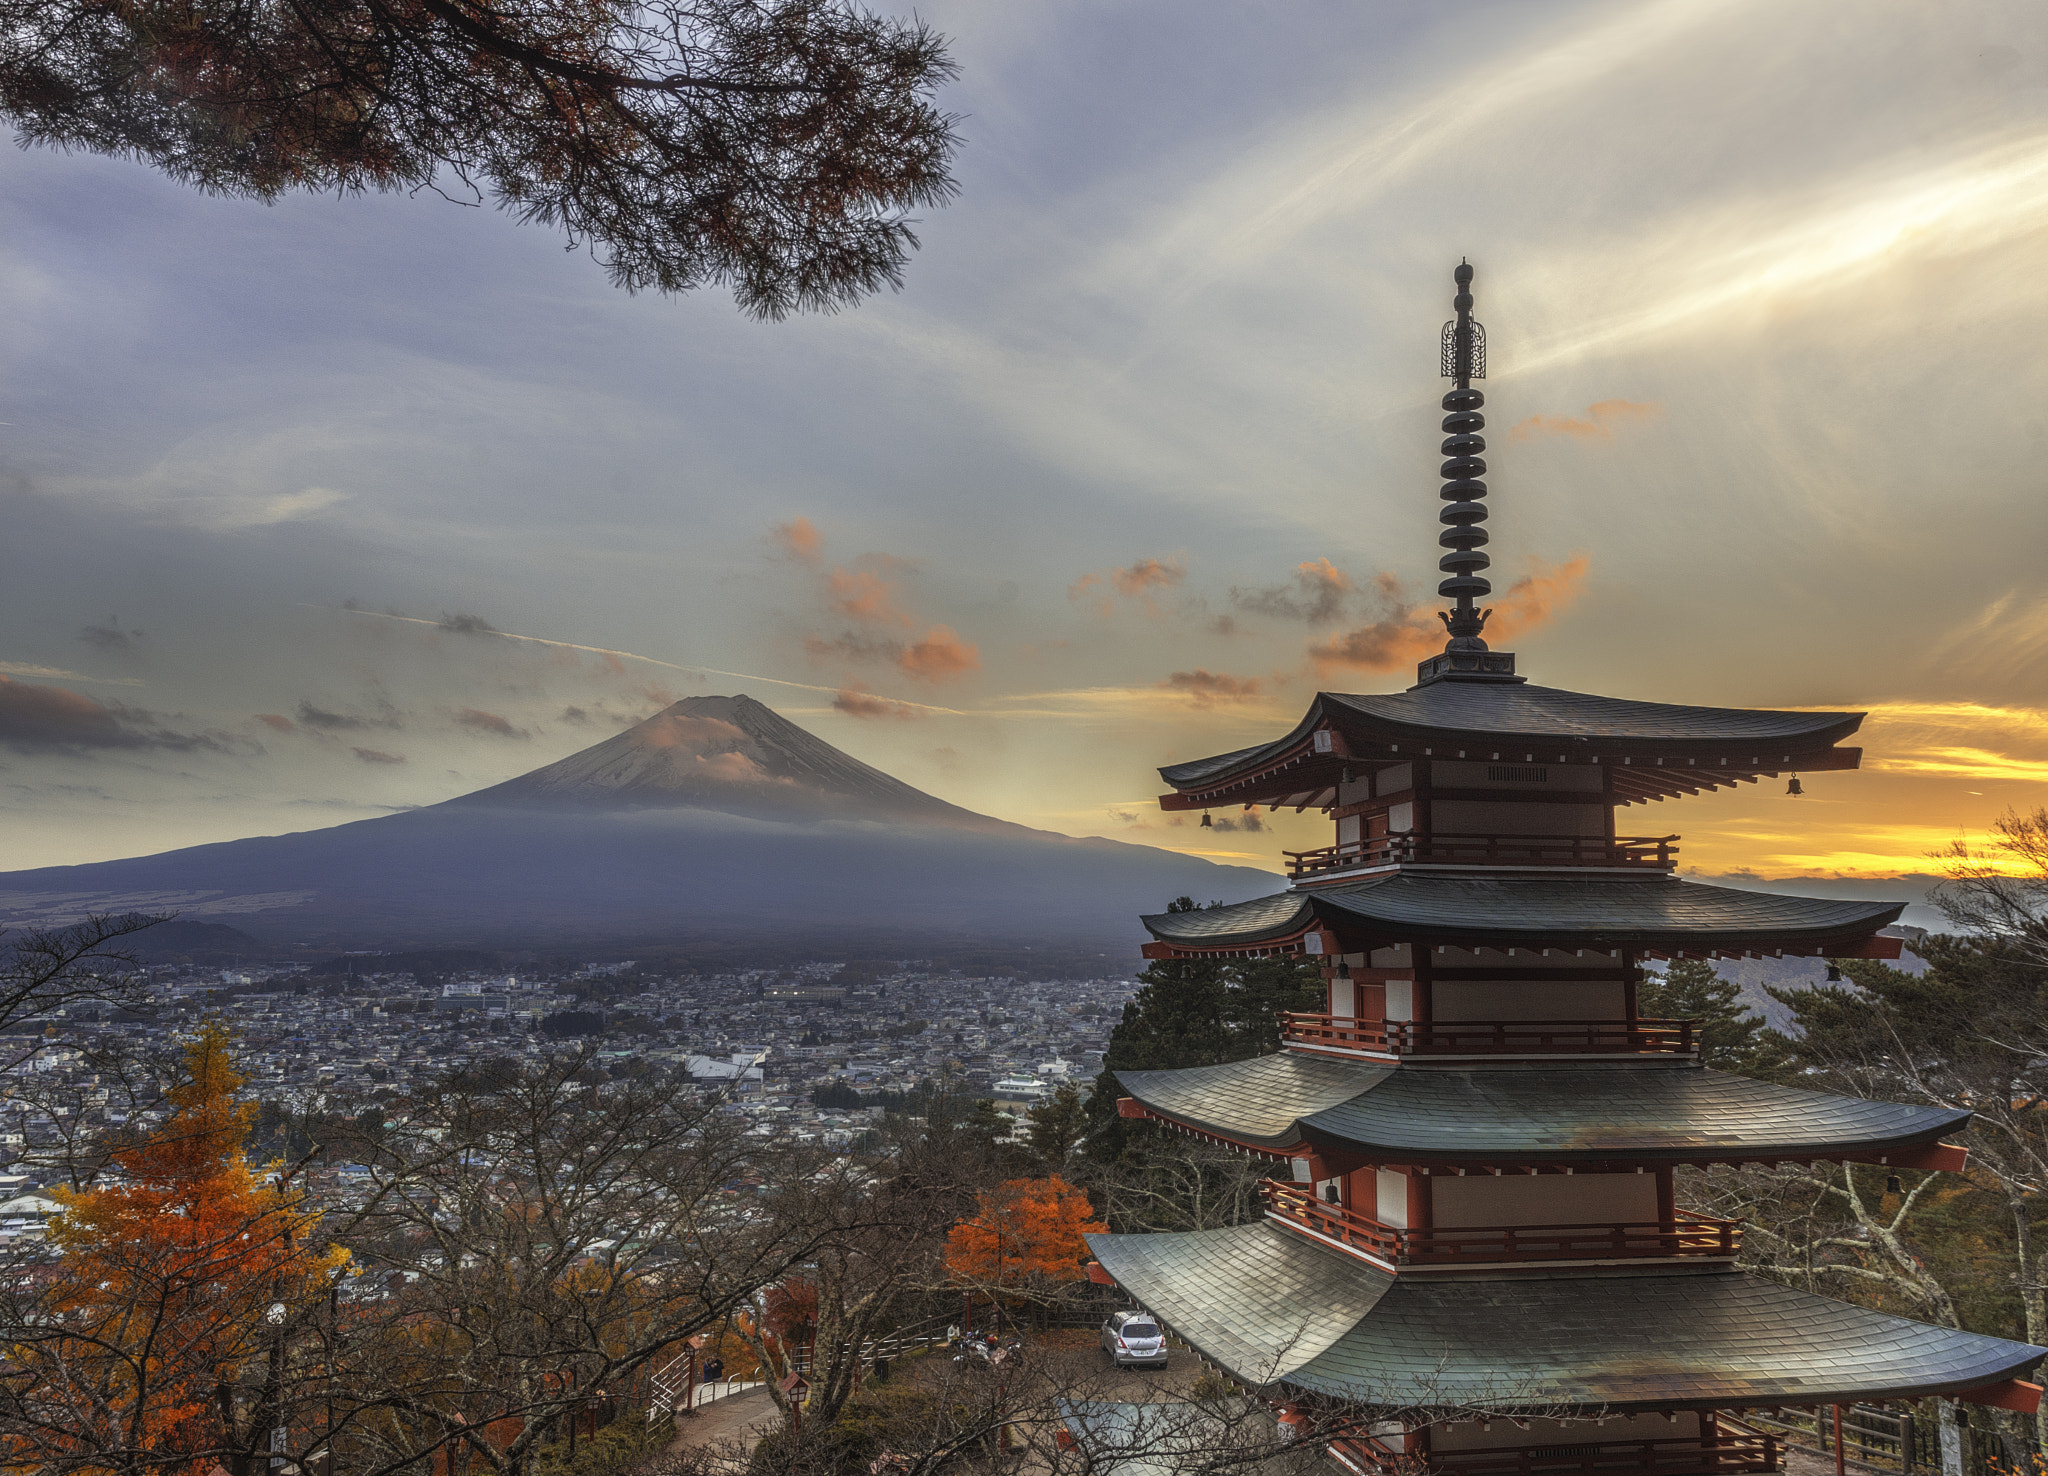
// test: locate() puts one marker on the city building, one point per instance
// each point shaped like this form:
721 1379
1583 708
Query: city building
1481 1131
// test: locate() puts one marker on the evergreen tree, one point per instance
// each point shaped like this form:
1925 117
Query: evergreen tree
1731 1037
1197 1012
1058 1125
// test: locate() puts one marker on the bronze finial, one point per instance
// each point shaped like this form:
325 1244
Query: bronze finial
1464 494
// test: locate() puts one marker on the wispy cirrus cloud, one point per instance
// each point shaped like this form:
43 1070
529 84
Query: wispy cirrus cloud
1599 423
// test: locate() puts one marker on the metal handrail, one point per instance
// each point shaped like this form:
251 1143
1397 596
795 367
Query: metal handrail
1684 1235
1493 1037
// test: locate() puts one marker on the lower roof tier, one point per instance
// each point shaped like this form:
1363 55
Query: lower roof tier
1275 1308
1646 914
1610 1112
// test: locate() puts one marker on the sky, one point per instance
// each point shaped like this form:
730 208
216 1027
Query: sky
324 509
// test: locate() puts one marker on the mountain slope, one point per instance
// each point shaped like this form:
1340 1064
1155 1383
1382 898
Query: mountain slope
715 819
724 753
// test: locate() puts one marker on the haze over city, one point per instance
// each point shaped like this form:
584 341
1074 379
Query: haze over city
331 508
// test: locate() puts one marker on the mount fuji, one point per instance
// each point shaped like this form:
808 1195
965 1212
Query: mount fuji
716 820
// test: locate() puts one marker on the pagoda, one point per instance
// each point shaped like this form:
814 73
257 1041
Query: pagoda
1473 1210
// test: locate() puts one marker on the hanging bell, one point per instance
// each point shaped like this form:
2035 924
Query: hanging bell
1834 974
1892 1185
1793 788
1207 823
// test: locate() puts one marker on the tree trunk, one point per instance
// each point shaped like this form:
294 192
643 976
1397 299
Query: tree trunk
1954 1438
2032 1299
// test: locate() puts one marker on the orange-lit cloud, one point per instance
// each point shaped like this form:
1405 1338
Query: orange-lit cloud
1134 581
855 700
865 597
1598 424
799 538
1531 600
1209 688
1147 574
1409 630
1317 592
1382 645
940 656
276 720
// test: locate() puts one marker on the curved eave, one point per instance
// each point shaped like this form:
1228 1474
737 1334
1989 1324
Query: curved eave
1663 917
1279 1311
1302 768
1354 1113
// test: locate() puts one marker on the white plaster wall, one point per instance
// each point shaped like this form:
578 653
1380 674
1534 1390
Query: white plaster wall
1390 1197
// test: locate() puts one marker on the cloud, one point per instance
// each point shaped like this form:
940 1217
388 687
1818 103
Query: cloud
1249 821
488 722
799 539
377 756
461 624
865 597
856 701
329 721
1381 646
111 638
1531 600
1315 593
1134 581
60 674
940 656
277 721
1598 424
36 719
737 768
1147 574
948 760
852 646
1210 688
692 734
230 511
1407 629
575 715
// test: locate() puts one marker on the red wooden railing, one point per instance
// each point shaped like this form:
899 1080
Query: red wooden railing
1685 1235
1646 852
1492 1037
1731 1447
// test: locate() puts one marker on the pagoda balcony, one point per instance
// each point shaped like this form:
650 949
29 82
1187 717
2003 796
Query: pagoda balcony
1729 1446
1492 1037
1633 852
1685 1235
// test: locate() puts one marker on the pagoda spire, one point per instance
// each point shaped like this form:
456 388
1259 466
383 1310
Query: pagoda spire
1465 656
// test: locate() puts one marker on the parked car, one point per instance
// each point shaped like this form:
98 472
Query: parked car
1133 1337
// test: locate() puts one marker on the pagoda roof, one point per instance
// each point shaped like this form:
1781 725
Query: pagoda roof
1653 914
1516 1113
1515 723
1274 1307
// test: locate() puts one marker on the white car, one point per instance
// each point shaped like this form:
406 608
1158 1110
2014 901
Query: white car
1133 1337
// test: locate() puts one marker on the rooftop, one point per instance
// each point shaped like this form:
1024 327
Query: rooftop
1276 1308
1662 1111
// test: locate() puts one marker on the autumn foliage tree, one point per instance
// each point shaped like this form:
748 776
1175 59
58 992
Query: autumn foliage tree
154 1342
1023 1239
